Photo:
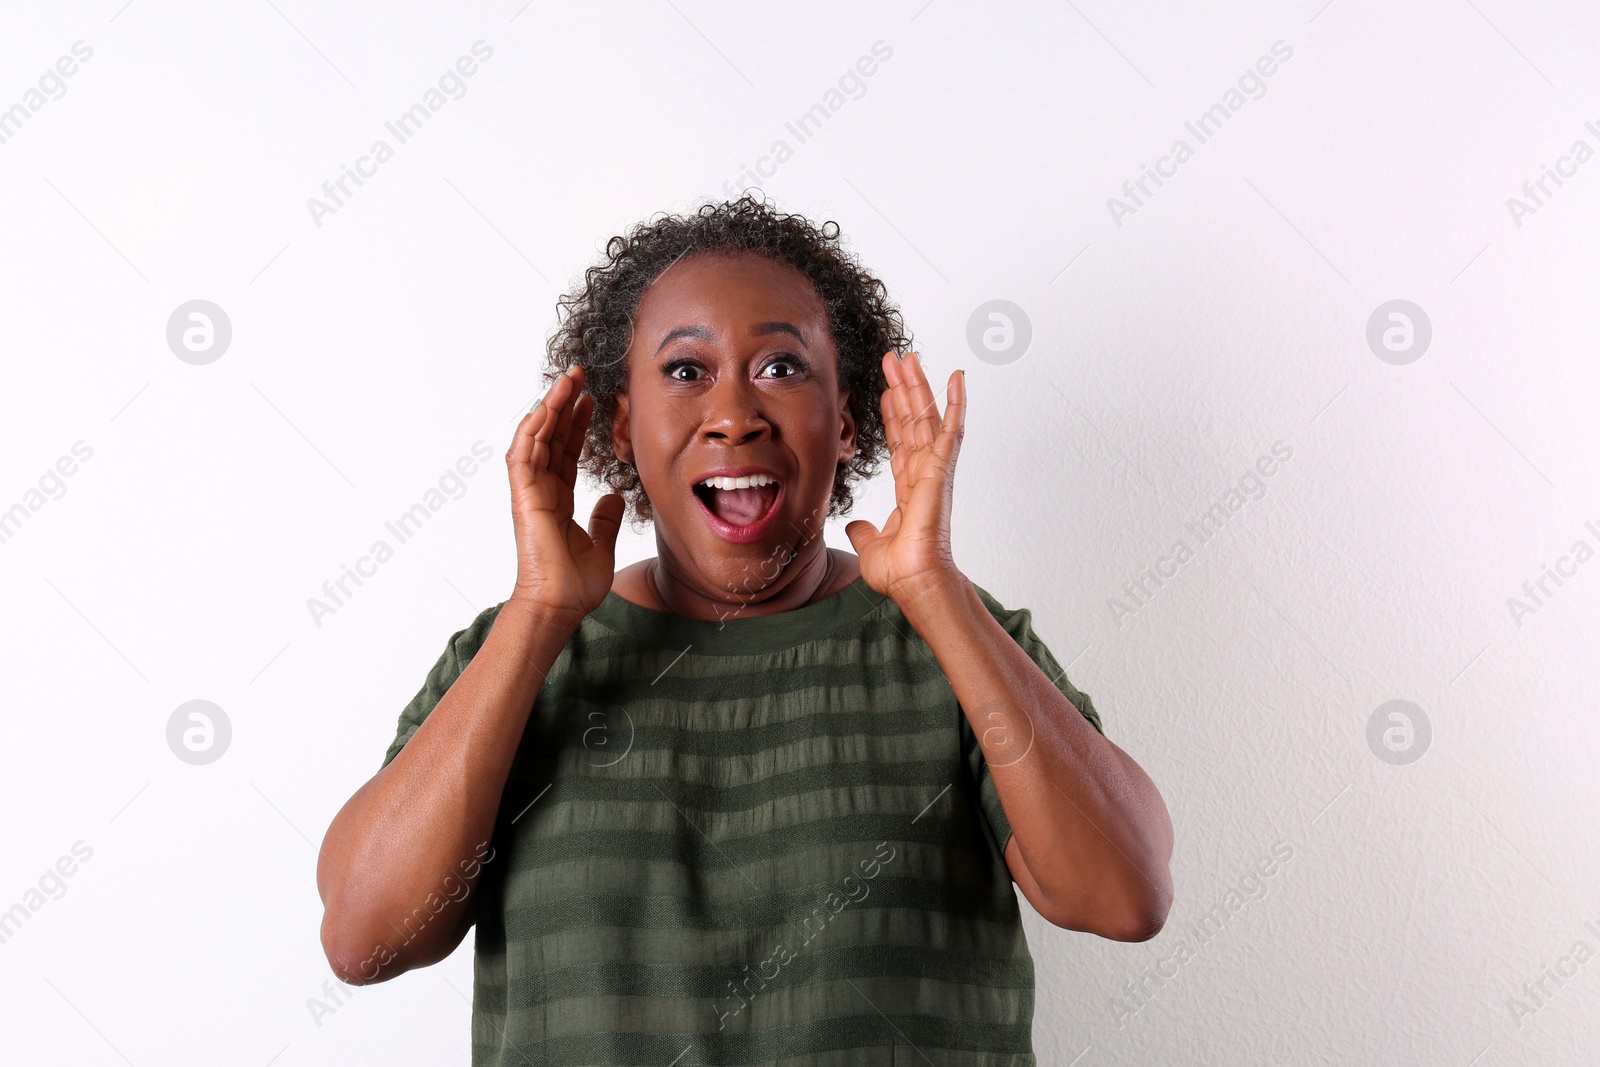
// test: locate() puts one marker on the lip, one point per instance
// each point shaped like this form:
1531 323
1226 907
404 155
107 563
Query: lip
755 531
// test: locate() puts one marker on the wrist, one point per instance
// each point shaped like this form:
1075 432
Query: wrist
544 616
933 596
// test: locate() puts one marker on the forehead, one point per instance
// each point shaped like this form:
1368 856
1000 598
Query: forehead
729 291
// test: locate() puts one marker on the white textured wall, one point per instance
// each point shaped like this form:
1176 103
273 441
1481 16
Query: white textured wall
1227 313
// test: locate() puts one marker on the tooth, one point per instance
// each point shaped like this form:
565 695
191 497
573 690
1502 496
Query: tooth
745 482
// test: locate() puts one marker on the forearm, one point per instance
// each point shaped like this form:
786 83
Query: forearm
417 833
1089 822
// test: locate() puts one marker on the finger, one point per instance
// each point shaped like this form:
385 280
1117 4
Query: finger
886 402
905 404
861 534
924 418
891 366
583 408
954 423
895 437
569 398
545 445
604 522
891 423
896 408
519 455
558 391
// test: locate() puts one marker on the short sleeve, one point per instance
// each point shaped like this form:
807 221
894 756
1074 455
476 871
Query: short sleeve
1019 624
458 652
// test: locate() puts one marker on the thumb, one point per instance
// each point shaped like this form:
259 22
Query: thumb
605 521
861 533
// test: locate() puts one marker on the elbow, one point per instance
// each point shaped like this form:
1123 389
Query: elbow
1146 918
352 966
1134 916
1142 928
346 973
355 969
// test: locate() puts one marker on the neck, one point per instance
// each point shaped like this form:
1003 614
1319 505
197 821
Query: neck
802 582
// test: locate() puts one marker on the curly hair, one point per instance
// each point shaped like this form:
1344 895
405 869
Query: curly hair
596 326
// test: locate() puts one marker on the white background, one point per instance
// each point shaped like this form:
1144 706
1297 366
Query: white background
1227 313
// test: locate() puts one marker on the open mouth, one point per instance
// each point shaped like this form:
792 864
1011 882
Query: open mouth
740 509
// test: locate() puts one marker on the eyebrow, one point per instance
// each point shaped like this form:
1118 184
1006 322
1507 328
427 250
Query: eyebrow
705 333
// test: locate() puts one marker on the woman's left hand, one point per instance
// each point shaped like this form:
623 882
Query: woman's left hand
911 554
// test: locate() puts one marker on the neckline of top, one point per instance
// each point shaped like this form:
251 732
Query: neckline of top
738 635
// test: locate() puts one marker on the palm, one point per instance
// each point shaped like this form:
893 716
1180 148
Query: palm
913 548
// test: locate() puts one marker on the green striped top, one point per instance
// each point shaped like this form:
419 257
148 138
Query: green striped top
766 840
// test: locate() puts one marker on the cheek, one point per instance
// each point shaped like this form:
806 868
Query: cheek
823 428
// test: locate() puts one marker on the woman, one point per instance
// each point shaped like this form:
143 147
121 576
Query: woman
753 800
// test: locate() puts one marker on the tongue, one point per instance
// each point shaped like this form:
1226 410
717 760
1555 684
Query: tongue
741 507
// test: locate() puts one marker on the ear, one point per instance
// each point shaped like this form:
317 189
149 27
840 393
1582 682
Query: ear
621 438
847 431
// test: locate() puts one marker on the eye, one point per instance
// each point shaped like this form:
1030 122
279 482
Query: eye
794 362
671 369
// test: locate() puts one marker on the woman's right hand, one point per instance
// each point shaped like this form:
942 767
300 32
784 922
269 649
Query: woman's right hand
560 568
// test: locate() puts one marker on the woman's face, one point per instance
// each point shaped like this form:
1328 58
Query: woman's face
732 371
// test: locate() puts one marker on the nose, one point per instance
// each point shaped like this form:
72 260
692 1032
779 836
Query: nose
734 413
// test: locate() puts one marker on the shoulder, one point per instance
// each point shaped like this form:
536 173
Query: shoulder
1018 622
1014 620
629 583
847 568
465 642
